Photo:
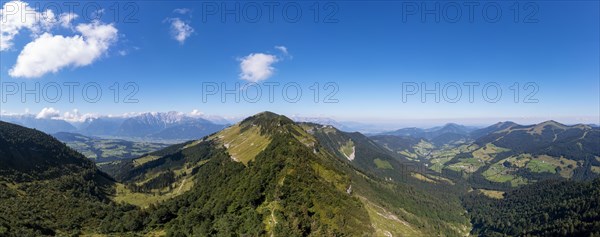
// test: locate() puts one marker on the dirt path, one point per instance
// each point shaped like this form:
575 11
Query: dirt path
181 186
274 222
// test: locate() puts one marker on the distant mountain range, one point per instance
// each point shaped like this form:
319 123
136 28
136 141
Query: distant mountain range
103 126
169 126
438 135
42 124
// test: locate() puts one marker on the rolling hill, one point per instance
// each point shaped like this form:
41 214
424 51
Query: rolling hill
507 154
431 133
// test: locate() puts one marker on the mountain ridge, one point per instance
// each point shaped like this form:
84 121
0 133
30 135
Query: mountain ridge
284 159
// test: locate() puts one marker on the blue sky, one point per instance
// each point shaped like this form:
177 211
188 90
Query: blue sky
367 50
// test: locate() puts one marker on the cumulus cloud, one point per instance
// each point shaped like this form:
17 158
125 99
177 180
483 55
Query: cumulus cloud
16 16
76 116
48 113
257 67
180 30
196 113
50 53
65 19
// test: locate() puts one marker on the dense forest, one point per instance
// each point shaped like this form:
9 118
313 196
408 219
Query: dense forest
47 188
548 208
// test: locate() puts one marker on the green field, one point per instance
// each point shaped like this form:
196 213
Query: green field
492 193
103 150
382 164
468 165
540 166
124 195
499 173
243 144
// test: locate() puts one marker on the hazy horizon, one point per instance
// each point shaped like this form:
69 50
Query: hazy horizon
363 125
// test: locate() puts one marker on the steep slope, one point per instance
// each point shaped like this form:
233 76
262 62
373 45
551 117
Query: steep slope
47 188
27 154
268 176
358 150
374 156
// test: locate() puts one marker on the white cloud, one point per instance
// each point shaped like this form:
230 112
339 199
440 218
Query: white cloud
126 115
182 11
257 67
196 113
48 113
65 19
76 116
283 49
50 53
18 15
180 30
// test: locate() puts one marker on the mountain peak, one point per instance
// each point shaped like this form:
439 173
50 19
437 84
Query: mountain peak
452 125
538 128
267 119
505 124
267 114
552 123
